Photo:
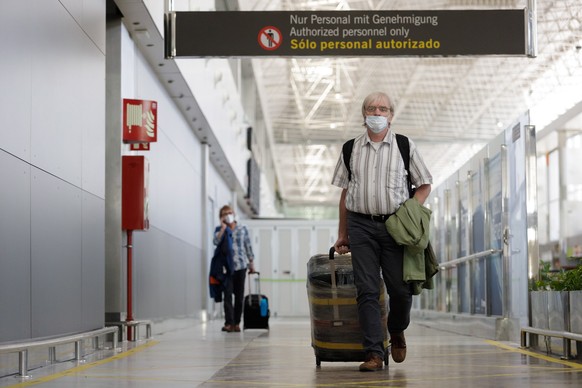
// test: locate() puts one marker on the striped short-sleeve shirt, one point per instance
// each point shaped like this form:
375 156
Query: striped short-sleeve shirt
379 183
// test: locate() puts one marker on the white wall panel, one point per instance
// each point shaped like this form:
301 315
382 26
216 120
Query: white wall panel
92 21
218 190
15 78
325 239
58 117
283 297
56 252
89 14
128 54
91 107
52 104
174 192
304 253
14 248
282 249
163 287
215 91
170 119
74 7
264 247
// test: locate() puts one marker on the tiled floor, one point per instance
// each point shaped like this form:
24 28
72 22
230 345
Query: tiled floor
204 356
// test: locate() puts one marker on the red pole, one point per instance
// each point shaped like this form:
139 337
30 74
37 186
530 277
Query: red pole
129 317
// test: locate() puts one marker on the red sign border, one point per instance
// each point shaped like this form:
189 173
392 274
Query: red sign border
132 139
262 31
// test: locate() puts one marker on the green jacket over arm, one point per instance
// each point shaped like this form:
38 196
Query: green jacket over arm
409 226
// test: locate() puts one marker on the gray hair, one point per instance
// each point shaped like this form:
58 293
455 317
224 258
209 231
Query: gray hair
373 97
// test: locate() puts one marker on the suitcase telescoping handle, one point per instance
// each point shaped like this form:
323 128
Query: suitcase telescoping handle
336 318
331 252
333 284
258 282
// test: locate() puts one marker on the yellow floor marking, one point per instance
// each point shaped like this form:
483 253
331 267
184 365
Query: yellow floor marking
535 355
81 368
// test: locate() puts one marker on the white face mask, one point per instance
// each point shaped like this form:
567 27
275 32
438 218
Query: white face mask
377 123
229 218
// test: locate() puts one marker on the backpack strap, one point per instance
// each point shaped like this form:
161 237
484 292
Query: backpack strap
347 154
404 147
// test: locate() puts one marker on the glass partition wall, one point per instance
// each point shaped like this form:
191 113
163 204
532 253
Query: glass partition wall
560 199
480 229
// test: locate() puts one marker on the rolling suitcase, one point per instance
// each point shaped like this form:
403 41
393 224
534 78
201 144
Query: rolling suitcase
256 308
335 327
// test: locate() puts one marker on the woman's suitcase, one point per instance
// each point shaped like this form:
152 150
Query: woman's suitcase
335 327
256 307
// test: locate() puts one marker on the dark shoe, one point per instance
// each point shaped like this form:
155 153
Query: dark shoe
398 347
227 328
373 363
237 328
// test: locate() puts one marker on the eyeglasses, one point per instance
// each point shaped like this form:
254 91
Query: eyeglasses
372 109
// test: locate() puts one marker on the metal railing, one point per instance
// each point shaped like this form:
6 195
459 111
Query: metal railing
23 347
132 325
566 336
449 286
464 259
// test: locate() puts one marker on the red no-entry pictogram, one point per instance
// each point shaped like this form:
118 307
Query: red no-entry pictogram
270 38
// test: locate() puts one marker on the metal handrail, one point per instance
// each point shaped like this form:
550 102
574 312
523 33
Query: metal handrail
460 260
565 335
135 324
23 347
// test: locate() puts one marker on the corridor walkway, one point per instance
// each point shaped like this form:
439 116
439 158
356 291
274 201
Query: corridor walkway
203 356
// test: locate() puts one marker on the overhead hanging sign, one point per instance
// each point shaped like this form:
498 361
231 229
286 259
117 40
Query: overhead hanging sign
346 33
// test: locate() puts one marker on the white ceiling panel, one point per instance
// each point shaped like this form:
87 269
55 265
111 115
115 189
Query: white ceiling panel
451 107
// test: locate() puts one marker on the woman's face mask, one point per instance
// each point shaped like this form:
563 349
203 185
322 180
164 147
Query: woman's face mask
229 218
376 123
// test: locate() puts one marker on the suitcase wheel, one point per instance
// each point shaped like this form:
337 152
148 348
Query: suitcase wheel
317 361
